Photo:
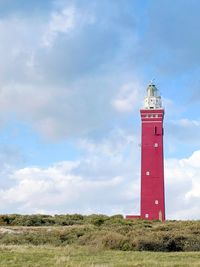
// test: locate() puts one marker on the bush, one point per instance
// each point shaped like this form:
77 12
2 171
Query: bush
175 243
103 231
68 219
97 219
148 244
113 240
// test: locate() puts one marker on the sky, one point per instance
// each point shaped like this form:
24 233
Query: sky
73 76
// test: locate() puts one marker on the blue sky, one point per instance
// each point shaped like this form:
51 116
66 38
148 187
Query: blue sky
73 76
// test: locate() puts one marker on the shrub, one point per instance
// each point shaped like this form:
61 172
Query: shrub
113 240
148 244
101 231
69 219
97 219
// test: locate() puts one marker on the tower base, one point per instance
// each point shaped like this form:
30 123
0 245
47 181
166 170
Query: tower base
134 217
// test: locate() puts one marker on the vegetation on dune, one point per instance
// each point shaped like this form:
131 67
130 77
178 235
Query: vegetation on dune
100 231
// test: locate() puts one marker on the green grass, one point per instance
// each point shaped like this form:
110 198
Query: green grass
68 256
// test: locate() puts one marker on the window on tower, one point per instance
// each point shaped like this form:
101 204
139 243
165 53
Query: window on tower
158 130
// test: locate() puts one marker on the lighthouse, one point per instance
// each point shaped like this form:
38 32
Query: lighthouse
152 202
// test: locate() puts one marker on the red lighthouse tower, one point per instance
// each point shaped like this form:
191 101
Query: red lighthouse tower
152 168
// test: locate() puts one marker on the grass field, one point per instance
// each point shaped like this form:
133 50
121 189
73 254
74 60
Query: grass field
68 256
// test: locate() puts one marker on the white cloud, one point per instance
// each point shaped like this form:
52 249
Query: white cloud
54 190
63 21
53 87
185 131
172 107
188 123
129 97
114 142
102 181
183 187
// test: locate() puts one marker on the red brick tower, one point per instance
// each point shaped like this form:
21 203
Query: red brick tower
152 167
152 206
